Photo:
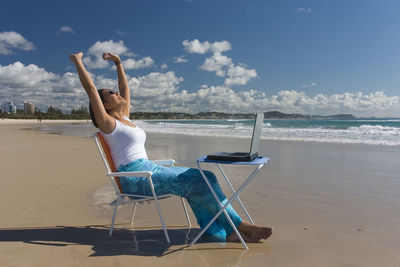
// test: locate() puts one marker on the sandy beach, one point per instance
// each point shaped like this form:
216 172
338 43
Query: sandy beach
329 205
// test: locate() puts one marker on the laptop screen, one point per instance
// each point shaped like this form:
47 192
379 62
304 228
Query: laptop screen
255 141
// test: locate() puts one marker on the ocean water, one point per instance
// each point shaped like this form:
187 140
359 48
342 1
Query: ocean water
356 131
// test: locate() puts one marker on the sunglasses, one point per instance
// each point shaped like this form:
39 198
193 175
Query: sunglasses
111 92
105 94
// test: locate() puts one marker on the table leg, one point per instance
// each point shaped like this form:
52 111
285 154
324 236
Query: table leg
222 209
233 191
230 200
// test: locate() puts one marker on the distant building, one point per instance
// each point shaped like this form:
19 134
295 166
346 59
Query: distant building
29 108
9 107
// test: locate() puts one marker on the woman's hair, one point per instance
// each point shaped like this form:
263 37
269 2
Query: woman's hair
91 110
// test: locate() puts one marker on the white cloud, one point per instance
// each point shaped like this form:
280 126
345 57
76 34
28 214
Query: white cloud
304 9
239 75
68 83
219 63
19 76
305 85
103 82
94 60
198 47
19 83
374 104
122 33
118 48
181 59
224 67
65 29
164 66
10 41
95 63
131 63
154 84
225 99
219 47
195 46
205 99
161 92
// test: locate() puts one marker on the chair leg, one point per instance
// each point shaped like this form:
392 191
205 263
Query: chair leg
133 212
159 210
113 220
186 213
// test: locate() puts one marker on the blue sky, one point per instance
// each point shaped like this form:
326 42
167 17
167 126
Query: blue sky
312 57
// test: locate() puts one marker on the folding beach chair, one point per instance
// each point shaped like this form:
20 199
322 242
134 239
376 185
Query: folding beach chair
123 198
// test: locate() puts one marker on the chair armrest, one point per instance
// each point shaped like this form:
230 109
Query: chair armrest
166 162
130 174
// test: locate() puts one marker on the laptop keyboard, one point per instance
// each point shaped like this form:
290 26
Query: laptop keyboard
238 154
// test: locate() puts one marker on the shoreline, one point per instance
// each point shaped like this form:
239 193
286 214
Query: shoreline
35 121
312 142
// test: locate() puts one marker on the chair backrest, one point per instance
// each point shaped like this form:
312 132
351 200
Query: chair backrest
105 153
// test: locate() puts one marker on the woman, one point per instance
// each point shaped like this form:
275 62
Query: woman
110 112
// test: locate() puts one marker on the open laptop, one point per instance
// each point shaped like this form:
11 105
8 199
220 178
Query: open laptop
243 156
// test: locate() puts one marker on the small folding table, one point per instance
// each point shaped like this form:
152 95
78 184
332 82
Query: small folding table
258 163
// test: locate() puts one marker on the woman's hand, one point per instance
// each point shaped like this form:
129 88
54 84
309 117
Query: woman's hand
111 57
76 57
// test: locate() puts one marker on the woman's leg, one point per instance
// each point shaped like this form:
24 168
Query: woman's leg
188 183
203 217
202 196
248 231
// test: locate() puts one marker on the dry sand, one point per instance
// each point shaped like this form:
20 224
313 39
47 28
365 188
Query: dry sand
330 205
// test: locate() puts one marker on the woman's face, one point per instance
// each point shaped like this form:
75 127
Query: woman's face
111 99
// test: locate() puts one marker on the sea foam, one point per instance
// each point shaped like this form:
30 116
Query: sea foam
363 134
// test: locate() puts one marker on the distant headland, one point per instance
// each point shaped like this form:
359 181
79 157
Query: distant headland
280 115
222 115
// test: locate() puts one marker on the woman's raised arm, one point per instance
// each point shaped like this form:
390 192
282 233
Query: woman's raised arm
122 81
106 122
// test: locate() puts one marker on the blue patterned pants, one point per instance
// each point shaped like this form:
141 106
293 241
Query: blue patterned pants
188 183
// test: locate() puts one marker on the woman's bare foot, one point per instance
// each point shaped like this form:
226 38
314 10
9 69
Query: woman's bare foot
234 238
255 231
250 233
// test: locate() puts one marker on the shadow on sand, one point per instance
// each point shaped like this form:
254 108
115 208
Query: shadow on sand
143 242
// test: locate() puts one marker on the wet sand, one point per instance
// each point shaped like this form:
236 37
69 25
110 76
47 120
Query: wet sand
329 205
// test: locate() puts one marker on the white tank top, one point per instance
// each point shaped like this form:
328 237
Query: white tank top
126 143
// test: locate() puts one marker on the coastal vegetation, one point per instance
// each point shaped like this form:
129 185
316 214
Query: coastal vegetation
54 113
